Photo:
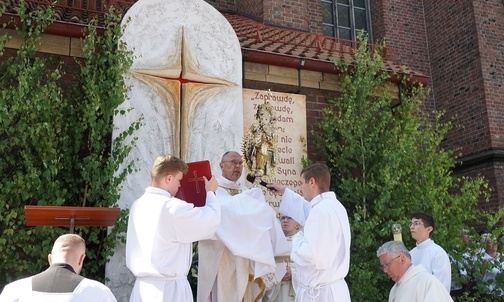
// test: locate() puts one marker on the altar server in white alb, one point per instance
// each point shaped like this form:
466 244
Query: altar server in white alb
427 253
61 282
161 230
322 250
412 283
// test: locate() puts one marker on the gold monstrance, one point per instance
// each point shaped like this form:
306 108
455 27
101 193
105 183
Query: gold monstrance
259 146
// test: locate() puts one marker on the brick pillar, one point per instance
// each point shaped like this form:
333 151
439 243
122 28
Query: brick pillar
401 23
315 13
466 51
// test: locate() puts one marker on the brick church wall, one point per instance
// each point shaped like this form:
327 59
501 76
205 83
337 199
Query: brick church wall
251 8
223 5
401 24
293 14
287 13
298 14
8 52
467 59
489 16
493 172
315 16
378 25
457 80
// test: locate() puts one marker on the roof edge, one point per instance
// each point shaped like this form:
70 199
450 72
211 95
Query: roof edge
74 30
269 58
58 28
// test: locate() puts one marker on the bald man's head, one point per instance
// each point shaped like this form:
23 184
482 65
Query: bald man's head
69 249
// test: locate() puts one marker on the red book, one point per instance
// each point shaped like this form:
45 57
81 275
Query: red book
192 186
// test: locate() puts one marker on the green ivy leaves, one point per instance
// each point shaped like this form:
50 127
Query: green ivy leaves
56 141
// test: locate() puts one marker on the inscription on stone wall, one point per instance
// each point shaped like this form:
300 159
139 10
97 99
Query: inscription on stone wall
290 111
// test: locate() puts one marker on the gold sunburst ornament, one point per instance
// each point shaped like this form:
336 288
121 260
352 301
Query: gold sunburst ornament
259 147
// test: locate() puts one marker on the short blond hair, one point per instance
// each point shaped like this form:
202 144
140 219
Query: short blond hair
167 165
69 243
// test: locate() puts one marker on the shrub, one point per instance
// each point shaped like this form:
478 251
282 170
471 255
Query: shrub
56 143
386 163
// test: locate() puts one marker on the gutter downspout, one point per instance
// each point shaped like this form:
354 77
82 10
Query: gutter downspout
299 75
244 58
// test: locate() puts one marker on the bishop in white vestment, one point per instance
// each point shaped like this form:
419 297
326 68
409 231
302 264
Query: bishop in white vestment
239 263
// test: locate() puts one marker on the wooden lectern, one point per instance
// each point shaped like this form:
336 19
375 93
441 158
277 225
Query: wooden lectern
70 216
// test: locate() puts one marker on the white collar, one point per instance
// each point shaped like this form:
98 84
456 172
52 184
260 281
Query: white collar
326 195
404 275
226 183
156 190
425 243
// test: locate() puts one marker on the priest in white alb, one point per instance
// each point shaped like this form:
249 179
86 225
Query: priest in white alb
412 282
239 263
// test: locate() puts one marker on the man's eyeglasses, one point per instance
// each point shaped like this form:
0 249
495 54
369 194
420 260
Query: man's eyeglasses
282 218
234 163
386 265
415 223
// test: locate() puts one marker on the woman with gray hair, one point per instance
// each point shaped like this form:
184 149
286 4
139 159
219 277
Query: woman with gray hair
413 283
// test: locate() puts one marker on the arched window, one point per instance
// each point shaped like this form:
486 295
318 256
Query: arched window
344 18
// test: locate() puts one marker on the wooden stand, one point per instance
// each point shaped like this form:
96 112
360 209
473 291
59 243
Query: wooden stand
70 216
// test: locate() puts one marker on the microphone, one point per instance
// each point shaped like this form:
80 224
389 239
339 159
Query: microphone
251 178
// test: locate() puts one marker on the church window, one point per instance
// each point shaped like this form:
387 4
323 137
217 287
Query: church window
345 18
